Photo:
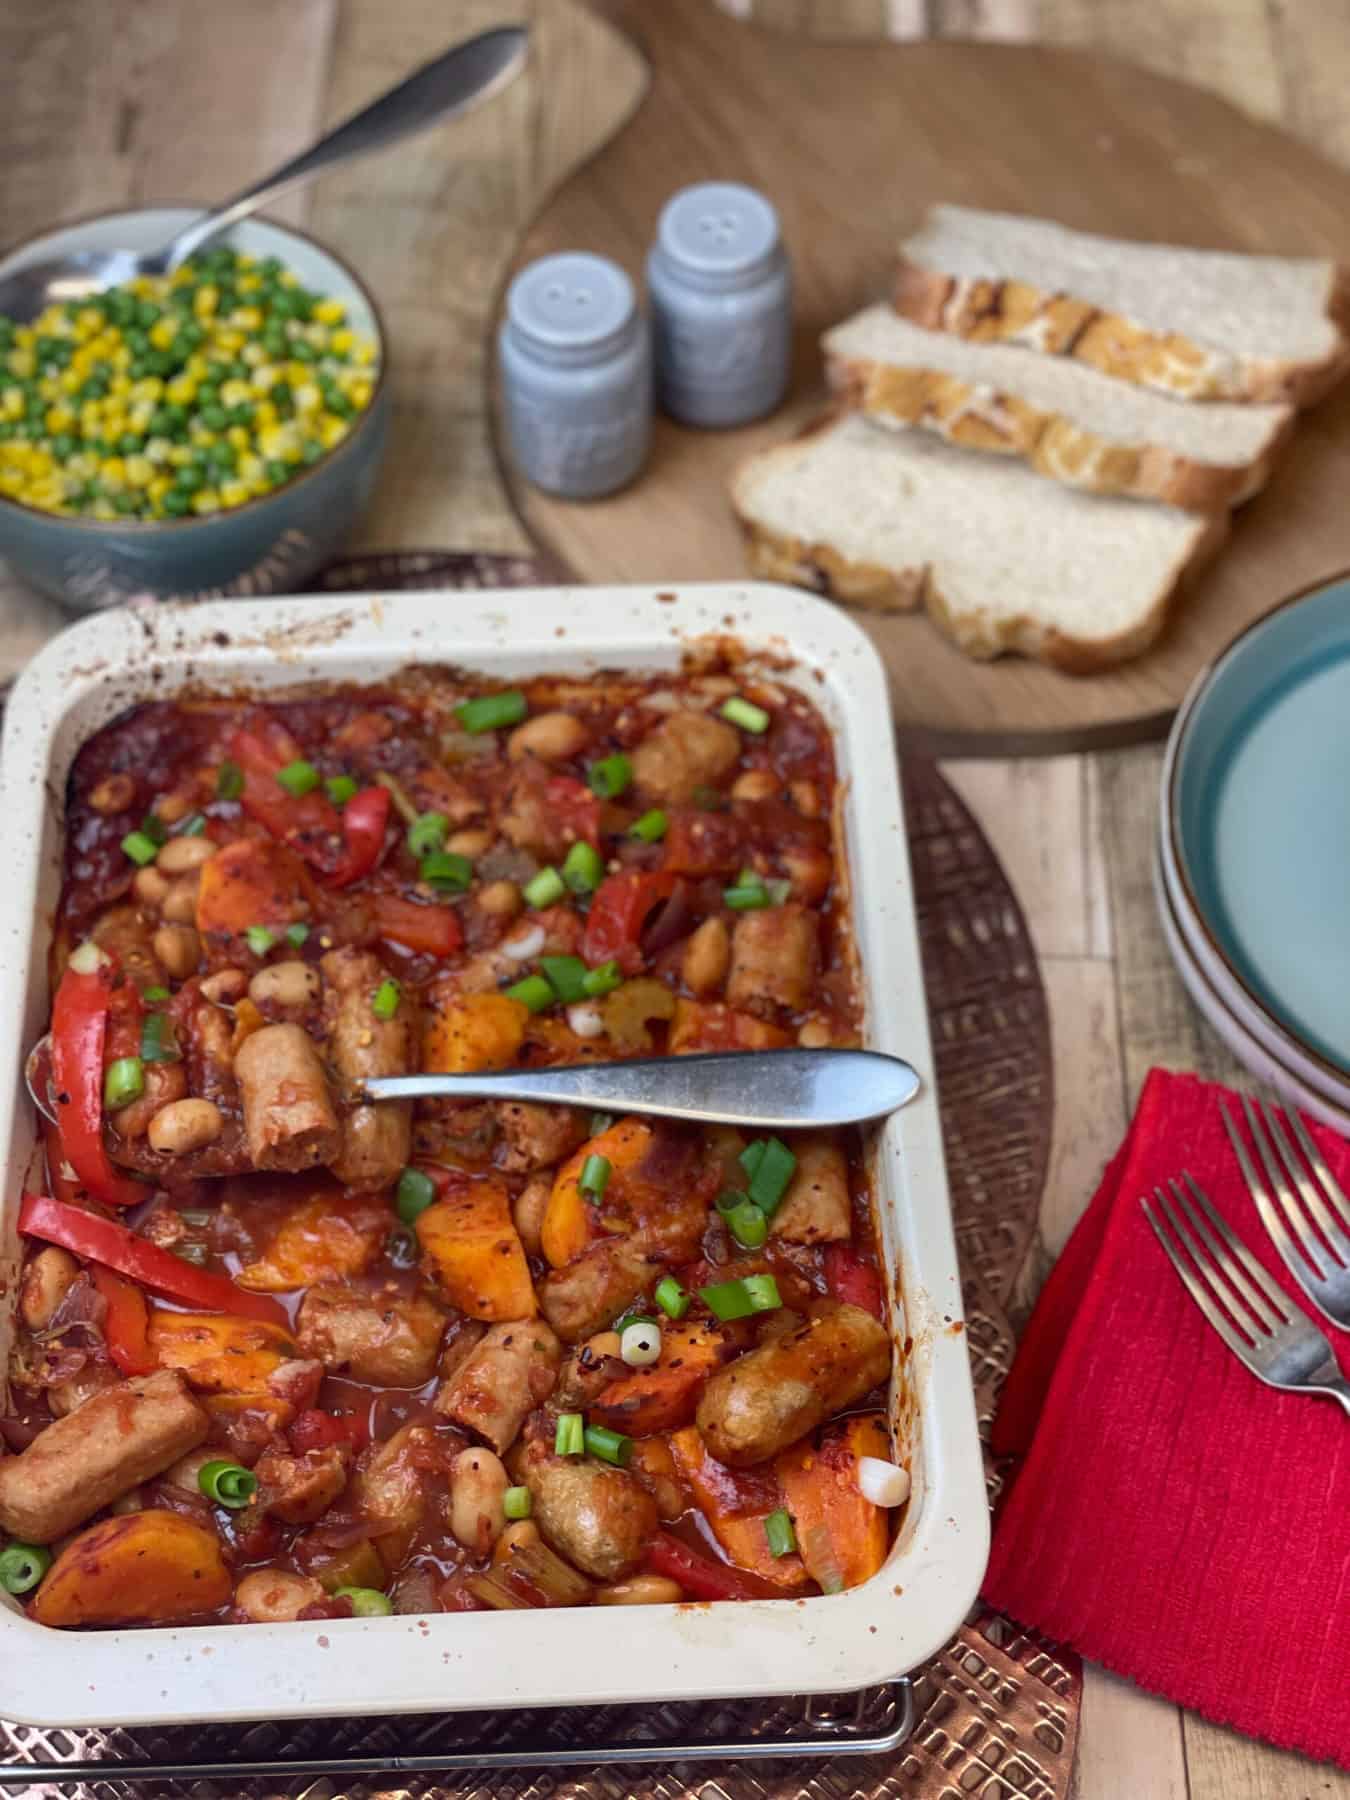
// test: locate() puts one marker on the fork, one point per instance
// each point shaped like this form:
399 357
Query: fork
1315 1243
1251 1313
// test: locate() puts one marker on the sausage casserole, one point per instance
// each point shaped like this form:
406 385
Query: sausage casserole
282 1353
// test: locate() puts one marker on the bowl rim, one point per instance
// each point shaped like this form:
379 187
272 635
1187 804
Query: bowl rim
1170 785
149 527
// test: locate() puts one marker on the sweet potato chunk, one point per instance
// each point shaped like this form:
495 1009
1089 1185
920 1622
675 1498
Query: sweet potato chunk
841 1535
663 1397
571 1222
219 1353
736 1505
473 1032
701 1025
328 1236
152 1566
251 882
476 1253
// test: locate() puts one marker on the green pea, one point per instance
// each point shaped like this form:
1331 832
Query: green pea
339 403
131 443
63 446
192 335
276 472
241 415
176 502
207 394
214 417
301 351
189 479
177 416
124 502
270 267
137 342
147 313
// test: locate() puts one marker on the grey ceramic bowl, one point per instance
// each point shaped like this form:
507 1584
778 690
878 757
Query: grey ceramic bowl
269 545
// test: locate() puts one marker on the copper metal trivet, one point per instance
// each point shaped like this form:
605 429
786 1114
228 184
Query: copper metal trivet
993 1717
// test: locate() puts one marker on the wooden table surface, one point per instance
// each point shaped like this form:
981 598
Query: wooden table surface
106 102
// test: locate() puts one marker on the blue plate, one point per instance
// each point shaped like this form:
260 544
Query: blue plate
1256 796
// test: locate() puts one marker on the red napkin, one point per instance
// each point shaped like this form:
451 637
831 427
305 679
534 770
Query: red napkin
1173 1518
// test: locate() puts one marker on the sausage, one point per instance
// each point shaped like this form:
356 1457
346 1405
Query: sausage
599 1517
592 1291
767 1399
686 751
390 1488
114 1442
510 1370
774 953
815 1209
376 1140
534 1136
300 1489
288 1116
392 1340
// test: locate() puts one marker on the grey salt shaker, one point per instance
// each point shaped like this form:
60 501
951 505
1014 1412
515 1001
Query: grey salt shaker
721 293
575 357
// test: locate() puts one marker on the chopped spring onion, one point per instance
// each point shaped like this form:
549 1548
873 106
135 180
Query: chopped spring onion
155 829
22 1566
586 1019
192 827
296 935
598 1124
778 1530
603 979
544 888
386 998
88 959
624 1320
123 1082
446 872
340 789
570 1439
490 711
413 1195
524 945
595 1173
752 1156
609 1446
567 975
151 993
751 893
140 847
533 992
745 1222
728 1300
299 777
516 1503
259 939
428 832
228 1484
883 1483
367 1603
671 1297
772 1174
610 776
582 869
651 827
742 712
157 1043
640 1344
229 781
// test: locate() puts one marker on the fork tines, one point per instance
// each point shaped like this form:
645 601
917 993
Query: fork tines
1310 1225
1240 1300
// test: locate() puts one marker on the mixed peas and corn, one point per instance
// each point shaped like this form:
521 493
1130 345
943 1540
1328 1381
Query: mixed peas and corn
178 395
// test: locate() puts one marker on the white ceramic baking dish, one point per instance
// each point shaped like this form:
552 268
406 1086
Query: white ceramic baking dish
579 1656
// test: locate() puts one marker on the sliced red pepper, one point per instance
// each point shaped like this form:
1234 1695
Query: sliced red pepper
126 1324
79 1034
852 1280
699 1576
309 823
315 1429
618 913
104 1241
434 930
363 824
574 807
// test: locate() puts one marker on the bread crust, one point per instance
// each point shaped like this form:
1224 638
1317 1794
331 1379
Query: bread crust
824 570
1016 312
976 417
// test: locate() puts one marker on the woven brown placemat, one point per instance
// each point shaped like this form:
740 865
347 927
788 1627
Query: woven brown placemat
997 1710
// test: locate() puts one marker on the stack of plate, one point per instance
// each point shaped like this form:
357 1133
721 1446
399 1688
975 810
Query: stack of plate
1253 856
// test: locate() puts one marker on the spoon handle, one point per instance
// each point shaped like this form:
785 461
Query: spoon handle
773 1090
466 73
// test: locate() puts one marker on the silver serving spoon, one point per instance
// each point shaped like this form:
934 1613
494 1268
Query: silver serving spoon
471 71
772 1090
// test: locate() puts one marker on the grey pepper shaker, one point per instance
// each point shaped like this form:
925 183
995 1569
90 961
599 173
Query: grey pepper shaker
575 357
721 293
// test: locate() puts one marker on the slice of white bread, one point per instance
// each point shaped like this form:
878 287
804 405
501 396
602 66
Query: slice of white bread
1067 420
1002 559
1201 324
